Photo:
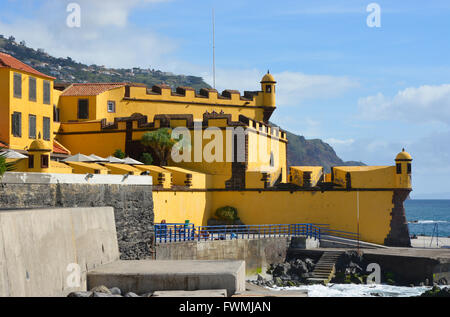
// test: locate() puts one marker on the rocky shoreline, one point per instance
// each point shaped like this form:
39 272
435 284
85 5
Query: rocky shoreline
350 269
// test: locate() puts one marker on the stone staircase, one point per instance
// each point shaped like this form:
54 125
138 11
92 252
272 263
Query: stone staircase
325 268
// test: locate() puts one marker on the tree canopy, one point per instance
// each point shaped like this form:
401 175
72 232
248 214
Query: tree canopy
161 142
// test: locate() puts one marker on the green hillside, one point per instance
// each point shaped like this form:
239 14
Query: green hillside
70 71
302 152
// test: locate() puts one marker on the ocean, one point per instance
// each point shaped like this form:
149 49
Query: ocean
353 290
426 216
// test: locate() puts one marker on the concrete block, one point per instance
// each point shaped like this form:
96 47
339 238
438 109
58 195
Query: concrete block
149 276
202 293
38 245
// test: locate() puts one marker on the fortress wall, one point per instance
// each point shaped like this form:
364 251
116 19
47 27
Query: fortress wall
336 208
178 206
131 199
37 245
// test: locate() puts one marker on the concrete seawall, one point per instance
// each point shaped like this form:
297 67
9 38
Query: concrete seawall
130 197
37 246
258 254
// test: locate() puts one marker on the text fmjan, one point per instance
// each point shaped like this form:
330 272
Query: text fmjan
250 307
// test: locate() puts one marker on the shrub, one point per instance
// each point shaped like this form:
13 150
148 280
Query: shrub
147 158
119 154
227 213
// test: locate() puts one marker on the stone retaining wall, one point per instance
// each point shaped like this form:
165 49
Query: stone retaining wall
133 207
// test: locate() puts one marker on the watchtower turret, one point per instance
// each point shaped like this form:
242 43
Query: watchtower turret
268 84
403 163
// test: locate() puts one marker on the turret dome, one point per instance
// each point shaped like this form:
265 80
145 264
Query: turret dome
403 156
268 78
39 145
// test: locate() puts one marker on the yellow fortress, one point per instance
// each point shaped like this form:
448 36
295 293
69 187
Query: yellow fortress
48 122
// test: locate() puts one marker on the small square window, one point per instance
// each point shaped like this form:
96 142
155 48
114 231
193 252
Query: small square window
399 168
111 106
268 89
409 168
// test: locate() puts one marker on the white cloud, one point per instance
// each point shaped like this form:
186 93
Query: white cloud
292 87
110 12
106 36
421 105
334 142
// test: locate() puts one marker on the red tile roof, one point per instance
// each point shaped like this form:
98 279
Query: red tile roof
3 145
59 148
7 60
90 89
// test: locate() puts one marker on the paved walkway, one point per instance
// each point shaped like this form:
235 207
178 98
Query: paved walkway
428 242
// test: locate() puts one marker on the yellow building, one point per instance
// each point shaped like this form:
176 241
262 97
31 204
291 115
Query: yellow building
27 106
234 155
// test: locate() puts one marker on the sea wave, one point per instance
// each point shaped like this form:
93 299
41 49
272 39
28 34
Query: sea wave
425 222
362 290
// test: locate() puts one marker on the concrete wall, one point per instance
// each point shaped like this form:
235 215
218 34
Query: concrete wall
133 204
258 254
37 245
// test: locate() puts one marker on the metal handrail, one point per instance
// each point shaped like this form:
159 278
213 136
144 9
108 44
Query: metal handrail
188 232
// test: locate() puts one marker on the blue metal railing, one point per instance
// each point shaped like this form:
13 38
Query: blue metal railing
175 232
326 231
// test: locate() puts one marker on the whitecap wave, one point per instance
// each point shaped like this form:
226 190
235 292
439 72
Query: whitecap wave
363 290
424 222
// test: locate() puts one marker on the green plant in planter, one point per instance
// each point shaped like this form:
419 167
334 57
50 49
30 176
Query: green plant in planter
227 213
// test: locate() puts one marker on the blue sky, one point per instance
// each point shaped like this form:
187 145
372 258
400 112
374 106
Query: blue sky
367 91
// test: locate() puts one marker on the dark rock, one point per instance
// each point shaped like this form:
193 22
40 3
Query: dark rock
100 294
443 281
101 289
115 291
80 294
436 291
278 281
356 279
281 270
297 270
310 264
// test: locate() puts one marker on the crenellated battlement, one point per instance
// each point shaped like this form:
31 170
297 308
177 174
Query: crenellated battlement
265 98
210 119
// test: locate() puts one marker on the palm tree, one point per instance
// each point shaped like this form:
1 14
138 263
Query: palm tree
161 142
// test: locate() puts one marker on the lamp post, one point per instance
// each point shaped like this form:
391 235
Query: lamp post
357 218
